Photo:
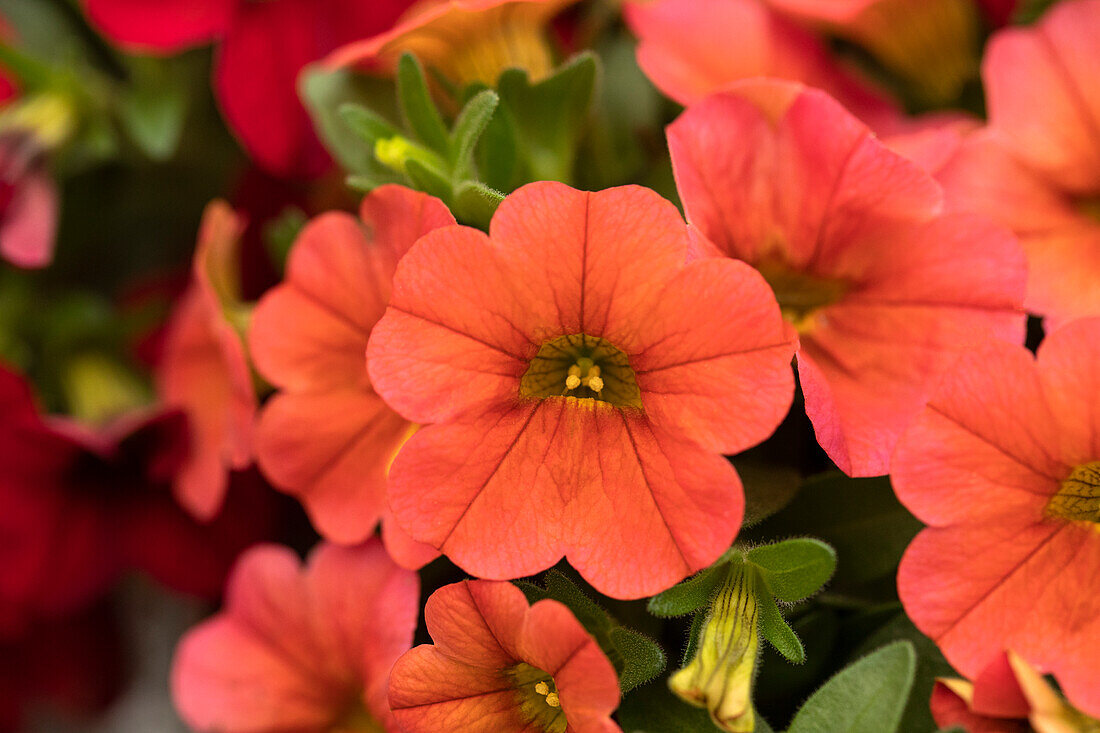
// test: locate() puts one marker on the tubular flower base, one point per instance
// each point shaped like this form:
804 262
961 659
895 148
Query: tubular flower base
1004 467
579 376
500 665
327 438
303 648
884 291
1036 169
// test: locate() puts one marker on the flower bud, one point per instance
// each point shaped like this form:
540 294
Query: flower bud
720 675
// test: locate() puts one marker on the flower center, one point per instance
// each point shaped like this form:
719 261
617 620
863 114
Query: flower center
1090 207
538 697
581 366
357 719
801 296
1078 499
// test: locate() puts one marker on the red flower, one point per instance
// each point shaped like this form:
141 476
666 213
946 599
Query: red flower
204 369
884 291
261 48
693 48
583 380
1009 696
466 40
303 648
1037 168
500 665
78 508
1004 465
327 437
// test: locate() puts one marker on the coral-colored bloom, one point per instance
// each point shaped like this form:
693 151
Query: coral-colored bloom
327 437
261 48
583 381
205 371
931 44
884 291
303 648
466 40
500 665
1007 696
1004 465
1037 168
77 508
693 48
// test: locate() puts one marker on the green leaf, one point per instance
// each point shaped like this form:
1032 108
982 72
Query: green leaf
654 709
868 696
641 657
475 203
550 116
279 234
689 595
471 123
417 106
774 628
533 593
588 612
154 119
794 569
428 179
367 124
692 644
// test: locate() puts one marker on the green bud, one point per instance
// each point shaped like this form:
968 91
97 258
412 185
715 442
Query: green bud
395 152
719 677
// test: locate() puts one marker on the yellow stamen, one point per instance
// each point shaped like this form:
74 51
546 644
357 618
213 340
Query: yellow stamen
552 700
542 688
573 380
594 383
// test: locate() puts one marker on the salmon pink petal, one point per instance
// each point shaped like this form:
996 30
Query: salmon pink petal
164 26
950 709
755 175
405 551
726 385
29 224
1068 360
997 692
477 622
976 589
437 352
1037 81
985 447
451 484
592 261
337 467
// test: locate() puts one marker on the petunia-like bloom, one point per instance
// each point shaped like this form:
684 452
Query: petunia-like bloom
261 48
327 437
693 48
884 290
78 508
305 648
1009 696
578 379
1036 169
205 371
933 45
465 40
499 665
1004 467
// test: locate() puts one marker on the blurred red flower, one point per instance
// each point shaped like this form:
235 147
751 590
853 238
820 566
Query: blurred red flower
583 377
884 290
299 647
500 665
1004 467
262 46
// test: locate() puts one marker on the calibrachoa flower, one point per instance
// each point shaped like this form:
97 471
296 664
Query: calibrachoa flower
262 46
205 371
77 508
884 291
499 665
693 48
1004 465
466 40
583 378
1037 168
299 647
1007 696
327 437
932 44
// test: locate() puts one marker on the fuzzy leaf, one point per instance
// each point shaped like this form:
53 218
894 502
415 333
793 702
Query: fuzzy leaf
366 123
417 106
689 595
794 569
471 123
428 179
642 658
868 696
774 628
475 203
